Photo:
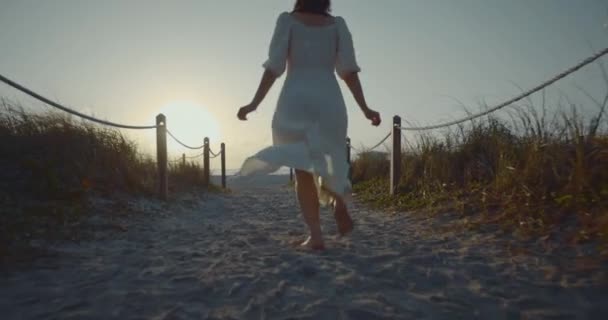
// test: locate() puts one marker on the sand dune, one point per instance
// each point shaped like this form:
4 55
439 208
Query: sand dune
231 256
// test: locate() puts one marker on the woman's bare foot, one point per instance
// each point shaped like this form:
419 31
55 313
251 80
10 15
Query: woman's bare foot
343 220
313 245
309 203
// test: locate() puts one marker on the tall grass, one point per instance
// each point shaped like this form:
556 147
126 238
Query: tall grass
533 171
50 163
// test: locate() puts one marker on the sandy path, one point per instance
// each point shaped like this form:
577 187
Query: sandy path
230 257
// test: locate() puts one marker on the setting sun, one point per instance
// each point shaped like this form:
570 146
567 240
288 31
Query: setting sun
191 123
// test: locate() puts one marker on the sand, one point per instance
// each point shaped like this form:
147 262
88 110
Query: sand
230 256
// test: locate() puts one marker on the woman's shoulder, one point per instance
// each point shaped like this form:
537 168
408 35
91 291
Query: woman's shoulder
283 18
340 19
336 19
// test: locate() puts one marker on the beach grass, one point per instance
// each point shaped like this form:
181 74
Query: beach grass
53 163
538 173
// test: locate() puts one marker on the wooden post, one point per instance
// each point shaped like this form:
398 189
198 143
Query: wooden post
161 155
290 174
350 169
396 156
223 155
184 159
206 169
348 150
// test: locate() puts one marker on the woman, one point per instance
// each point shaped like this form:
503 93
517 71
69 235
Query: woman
310 122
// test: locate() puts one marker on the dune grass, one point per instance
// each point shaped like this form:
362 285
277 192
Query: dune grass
532 172
52 163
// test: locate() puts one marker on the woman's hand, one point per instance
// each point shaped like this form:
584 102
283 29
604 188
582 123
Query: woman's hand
244 111
266 82
373 116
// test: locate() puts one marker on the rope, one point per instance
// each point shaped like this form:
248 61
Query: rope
213 153
183 144
179 160
68 110
109 123
374 147
196 156
381 142
211 156
517 98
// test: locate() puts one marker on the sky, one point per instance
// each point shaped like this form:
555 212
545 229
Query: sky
198 61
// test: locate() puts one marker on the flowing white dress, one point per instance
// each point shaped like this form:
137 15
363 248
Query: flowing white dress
310 121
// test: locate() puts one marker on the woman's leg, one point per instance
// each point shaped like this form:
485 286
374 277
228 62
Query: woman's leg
309 203
343 220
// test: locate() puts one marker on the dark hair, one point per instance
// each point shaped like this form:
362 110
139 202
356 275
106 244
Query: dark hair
313 6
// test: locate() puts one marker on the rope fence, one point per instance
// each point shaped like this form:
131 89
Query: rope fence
183 144
380 143
397 131
523 95
357 150
161 139
213 154
68 110
511 101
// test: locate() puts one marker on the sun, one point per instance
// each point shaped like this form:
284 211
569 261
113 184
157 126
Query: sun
191 123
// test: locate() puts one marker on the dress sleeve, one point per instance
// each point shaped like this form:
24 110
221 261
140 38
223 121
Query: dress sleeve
346 61
279 46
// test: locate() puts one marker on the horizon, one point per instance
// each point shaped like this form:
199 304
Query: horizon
119 63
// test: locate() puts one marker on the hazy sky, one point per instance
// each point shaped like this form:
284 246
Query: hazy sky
125 60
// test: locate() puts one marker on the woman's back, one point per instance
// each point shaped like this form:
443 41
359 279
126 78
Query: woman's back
312 47
311 42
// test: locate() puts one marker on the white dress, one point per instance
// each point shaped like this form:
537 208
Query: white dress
310 121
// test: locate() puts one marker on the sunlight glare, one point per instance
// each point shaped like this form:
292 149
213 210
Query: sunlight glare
191 123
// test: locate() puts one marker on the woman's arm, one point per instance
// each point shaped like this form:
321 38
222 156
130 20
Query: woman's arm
268 79
354 84
274 66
